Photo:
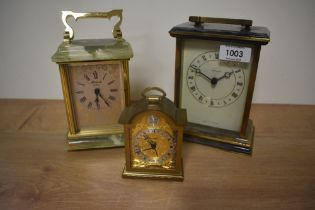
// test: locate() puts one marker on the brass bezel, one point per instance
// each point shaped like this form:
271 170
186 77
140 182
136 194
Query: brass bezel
88 139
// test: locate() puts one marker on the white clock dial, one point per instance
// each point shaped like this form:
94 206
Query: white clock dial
213 82
213 91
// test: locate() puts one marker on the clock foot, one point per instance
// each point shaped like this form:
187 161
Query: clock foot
219 138
176 176
80 142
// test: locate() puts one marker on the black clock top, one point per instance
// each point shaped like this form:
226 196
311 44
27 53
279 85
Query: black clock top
222 29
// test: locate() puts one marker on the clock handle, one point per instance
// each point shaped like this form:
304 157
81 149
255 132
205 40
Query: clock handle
69 34
199 20
153 98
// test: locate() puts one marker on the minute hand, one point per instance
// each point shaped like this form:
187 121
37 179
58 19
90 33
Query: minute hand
105 101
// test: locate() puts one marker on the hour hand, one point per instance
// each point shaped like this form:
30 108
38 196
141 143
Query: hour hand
156 152
152 144
226 75
152 147
97 102
147 149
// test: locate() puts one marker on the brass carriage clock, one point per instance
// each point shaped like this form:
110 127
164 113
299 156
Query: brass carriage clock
154 133
95 82
215 72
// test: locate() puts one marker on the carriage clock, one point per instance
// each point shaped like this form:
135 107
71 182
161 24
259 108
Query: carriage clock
154 135
215 72
95 83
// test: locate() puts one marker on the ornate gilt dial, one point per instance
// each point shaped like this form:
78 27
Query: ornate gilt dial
215 83
153 142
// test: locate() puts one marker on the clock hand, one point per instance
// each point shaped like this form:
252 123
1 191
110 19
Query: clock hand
203 75
147 149
226 75
152 144
97 92
105 101
214 80
156 152
97 101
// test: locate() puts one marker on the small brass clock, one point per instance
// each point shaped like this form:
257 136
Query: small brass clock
95 82
215 73
154 133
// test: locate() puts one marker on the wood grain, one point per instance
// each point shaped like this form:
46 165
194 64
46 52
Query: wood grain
37 173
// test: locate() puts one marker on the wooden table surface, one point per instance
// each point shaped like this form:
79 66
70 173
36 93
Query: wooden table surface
38 173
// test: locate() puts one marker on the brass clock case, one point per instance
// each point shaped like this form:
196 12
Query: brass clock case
153 138
95 82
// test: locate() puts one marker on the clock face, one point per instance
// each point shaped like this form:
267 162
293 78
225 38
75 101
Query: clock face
153 142
215 83
212 90
98 93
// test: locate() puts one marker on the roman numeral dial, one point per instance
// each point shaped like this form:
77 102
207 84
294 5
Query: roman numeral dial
153 142
215 83
97 86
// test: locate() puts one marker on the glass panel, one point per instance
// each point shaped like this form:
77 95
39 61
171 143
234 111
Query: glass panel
97 90
213 91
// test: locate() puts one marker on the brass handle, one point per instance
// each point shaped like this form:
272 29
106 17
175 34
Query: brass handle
153 98
68 35
198 20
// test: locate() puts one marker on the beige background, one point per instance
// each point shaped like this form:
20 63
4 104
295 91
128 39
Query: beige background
31 31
